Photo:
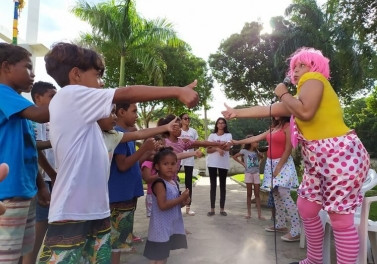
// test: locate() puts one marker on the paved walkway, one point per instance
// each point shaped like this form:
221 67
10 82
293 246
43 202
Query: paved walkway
221 239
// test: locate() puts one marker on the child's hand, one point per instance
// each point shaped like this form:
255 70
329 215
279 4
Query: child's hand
173 126
188 95
229 113
149 145
4 169
185 194
198 153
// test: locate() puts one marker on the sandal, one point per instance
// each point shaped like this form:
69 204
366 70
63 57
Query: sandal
137 239
273 229
189 212
223 213
289 238
210 213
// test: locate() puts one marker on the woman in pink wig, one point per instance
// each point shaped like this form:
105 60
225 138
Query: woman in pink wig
335 161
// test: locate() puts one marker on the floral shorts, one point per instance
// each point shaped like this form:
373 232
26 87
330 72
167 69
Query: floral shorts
335 169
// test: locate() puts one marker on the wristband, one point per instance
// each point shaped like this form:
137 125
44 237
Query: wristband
281 96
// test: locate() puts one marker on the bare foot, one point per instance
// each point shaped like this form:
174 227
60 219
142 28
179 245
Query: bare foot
247 216
261 218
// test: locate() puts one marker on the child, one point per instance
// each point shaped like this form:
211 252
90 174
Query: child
79 209
166 230
336 161
18 150
250 160
42 93
149 174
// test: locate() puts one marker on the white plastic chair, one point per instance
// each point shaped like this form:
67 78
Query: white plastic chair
368 229
361 222
360 216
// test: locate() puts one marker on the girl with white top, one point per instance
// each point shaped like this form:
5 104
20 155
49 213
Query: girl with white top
218 162
188 163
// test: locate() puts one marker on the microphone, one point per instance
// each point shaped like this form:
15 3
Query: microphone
287 81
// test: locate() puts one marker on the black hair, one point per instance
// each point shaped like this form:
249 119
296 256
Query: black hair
163 152
124 105
225 128
41 88
281 121
165 121
63 57
12 53
181 115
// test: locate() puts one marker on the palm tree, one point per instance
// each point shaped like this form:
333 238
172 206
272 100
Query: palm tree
117 25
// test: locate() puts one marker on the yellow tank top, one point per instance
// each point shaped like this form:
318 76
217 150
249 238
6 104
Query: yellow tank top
328 120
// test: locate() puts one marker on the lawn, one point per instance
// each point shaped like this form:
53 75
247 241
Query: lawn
373 192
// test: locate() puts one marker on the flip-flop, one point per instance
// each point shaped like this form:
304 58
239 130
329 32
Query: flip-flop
210 213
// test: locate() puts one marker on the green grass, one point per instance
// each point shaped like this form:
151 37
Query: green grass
373 192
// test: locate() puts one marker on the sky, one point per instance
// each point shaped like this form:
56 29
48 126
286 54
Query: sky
203 24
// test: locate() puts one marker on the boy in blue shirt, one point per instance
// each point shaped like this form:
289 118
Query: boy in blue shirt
79 209
18 150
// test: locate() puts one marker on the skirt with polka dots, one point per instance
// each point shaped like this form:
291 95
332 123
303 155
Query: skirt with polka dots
334 171
287 177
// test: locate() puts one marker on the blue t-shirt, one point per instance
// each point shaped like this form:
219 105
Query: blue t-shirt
18 147
124 186
251 161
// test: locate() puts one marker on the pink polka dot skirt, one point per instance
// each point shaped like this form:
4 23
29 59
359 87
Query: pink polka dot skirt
334 171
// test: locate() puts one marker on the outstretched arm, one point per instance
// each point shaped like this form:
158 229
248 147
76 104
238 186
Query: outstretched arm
142 93
277 109
252 139
149 132
38 114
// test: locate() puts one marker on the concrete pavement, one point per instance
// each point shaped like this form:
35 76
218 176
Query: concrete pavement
221 239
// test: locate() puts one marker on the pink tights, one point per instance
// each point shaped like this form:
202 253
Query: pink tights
345 234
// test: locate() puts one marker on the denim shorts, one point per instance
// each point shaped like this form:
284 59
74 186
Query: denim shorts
42 212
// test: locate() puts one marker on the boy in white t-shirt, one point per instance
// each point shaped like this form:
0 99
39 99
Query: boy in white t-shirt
79 209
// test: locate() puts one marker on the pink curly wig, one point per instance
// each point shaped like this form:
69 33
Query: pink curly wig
311 57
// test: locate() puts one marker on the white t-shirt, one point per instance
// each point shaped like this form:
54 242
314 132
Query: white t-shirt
112 139
42 133
192 135
214 159
80 191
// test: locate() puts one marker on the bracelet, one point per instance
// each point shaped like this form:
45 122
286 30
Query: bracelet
281 96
